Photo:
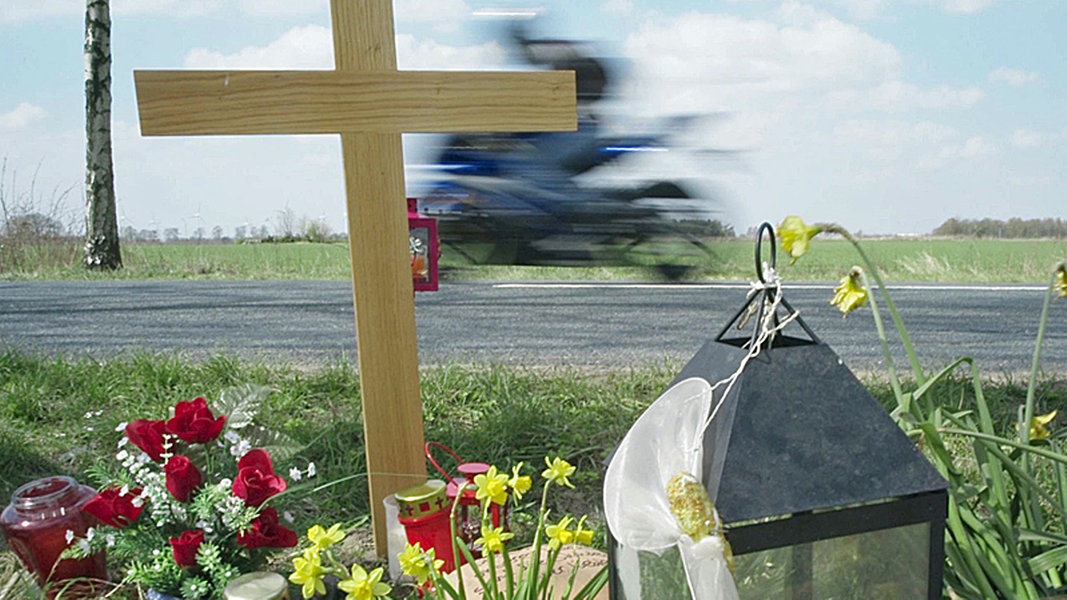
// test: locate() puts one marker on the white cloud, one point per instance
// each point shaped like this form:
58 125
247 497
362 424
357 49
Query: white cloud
618 7
973 148
431 10
1015 77
878 150
23 115
805 59
311 47
1029 138
14 11
964 6
892 134
900 96
308 47
428 54
730 61
270 8
977 147
863 9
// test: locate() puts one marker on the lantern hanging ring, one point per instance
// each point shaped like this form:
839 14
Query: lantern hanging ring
765 227
765 295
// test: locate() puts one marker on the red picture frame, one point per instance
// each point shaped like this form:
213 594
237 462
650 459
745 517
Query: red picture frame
425 249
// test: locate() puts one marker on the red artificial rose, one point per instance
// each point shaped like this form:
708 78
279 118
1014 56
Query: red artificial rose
267 533
182 477
148 436
256 481
185 546
193 422
114 508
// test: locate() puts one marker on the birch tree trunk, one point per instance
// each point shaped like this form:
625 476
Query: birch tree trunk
101 224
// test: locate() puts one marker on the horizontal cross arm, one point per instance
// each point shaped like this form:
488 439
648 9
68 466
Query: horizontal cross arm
308 102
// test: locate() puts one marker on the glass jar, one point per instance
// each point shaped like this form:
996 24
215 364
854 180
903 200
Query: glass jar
35 526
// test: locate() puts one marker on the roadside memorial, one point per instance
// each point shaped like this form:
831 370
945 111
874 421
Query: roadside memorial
369 103
820 493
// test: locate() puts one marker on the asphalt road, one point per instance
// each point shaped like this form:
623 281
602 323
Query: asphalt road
582 325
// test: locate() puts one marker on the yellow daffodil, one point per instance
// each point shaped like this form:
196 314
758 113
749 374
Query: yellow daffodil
795 236
418 563
1039 426
560 534
491 486
308 573
361 585
558 471
582 535
493 539
850 293
1061 282
519 484
323 539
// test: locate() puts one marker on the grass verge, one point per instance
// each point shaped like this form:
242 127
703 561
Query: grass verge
60 416
903 260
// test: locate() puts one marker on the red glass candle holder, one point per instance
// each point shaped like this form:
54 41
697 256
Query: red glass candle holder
425 515
35 526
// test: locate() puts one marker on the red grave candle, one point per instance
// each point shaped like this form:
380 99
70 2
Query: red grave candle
35 526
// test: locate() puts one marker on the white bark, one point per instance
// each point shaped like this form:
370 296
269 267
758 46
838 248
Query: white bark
101 223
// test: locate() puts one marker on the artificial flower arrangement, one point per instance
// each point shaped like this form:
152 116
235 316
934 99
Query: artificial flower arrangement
190 509
502 578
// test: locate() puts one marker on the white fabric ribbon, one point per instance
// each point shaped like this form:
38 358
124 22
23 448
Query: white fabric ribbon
666 440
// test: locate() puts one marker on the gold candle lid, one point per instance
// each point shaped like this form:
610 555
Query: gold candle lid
422 500
259 585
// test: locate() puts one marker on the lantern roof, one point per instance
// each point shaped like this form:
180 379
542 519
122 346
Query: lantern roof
801 434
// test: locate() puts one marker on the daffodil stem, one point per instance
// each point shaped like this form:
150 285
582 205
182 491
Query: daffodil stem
1031 388
1028 407
916 368
455 547
894 381
492 571
535 556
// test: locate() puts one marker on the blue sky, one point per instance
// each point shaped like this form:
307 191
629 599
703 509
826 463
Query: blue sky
887 116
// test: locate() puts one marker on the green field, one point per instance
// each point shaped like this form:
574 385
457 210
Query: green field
902 260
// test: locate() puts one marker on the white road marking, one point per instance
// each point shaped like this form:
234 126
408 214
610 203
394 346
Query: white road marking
741 286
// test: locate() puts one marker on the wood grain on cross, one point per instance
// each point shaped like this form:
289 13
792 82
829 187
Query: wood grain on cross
369 103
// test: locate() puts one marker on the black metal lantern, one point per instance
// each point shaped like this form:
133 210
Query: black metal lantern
821 493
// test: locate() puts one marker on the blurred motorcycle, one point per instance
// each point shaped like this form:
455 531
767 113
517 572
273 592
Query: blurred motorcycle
525 199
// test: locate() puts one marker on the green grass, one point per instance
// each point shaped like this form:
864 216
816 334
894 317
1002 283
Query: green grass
903 260
59 415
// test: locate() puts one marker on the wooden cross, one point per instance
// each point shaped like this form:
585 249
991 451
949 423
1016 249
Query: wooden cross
369 103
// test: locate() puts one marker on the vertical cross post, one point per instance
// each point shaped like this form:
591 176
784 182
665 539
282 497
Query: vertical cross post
383 296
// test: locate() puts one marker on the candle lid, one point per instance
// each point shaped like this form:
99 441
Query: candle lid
259 585
423 499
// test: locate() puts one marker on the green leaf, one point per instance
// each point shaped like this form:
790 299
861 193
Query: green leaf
1029 535
280 446
1048 560
241 403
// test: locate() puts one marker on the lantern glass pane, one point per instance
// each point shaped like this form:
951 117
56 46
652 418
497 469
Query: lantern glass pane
888 564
